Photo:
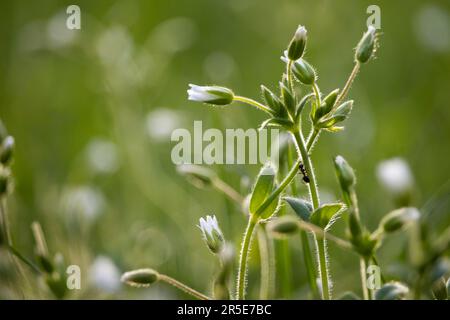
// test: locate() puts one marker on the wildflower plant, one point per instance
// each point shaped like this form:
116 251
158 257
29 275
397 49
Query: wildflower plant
287 110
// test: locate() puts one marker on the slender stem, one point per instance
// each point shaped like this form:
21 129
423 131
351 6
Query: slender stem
362 271
306 249
347 85
266 274
22 258
226 189
4 221
254 103
316 90
312 139
369 291
242 272
309 265
323 268
183 287
314 194
289 75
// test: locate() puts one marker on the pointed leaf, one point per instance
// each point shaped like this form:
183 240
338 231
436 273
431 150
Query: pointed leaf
325 215
301 207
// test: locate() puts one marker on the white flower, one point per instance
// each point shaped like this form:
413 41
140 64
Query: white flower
102 156
395 175
104 274
211 233
301 33
210 94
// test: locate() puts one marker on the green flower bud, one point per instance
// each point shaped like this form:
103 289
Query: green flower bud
140 277
283 226
288 98
5 177
6 150
392 291
366 46
340 114
354 226
212 234
298 43
326 106
399 218
210 94
272 101
344 173
265 184
301 207
365 245
304 72
197 175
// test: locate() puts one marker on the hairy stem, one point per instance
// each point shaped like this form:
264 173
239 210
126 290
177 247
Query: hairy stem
264 244
323 268
242 272
254 103
179 285
362 269
347 85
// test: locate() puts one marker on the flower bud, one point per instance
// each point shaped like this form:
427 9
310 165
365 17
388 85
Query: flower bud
340 114
210 94
344 173
140 277
197 175
6 150
265 184
212 234
288 98
326 106
283 226
398 219
298 43
301 207
304 72
392 291
272 101
41 251
366 45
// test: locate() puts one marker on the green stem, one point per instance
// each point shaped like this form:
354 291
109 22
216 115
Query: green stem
369 292
265 258
254 103
22 258
322 256
306 249
312 139
289 75
310 269
347 85
316 90
362 269
314 195
177 284
242 272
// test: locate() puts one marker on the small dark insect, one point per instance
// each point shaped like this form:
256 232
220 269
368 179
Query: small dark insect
302 169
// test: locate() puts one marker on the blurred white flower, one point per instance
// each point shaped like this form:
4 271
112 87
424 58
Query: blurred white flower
219 66
104 275
174 35
102 156
82 201
161 122
57 33
395 175
432 26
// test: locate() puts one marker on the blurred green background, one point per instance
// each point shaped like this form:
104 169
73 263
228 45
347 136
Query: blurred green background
92 111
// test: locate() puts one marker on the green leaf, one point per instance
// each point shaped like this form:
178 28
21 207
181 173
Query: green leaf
392 291
265 184
301 207
325 215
